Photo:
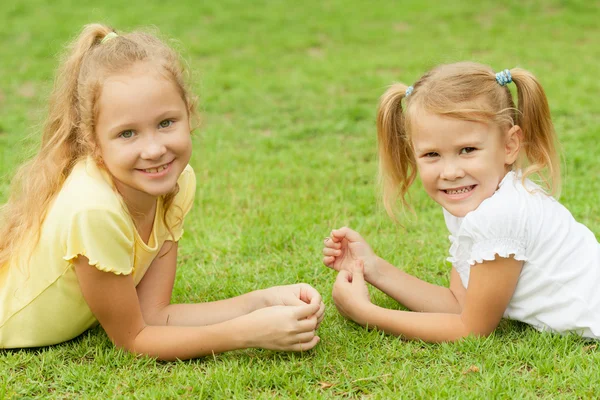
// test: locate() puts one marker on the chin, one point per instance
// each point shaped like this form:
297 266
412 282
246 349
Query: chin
458 211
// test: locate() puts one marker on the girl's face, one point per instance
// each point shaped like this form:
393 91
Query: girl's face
143 134
461 162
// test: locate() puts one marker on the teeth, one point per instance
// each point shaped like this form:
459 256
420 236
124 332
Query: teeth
463 190
155 170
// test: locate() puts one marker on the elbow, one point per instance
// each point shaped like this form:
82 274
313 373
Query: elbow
477 330
156 316
138 345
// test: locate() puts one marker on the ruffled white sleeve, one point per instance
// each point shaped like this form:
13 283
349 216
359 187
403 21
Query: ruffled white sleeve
498 227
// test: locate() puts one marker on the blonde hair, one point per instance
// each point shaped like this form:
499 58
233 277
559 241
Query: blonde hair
466 91
68 134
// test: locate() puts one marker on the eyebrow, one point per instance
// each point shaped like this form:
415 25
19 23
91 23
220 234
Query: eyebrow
128 125
461 145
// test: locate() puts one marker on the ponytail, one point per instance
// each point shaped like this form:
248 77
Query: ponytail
39 180
397 165
539 137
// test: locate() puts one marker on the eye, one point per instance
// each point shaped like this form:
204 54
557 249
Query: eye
128 134
431 154
467 150
166 123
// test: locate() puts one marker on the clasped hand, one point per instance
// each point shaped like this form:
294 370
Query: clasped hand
290 319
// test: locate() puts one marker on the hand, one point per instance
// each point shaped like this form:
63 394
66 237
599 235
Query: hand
287 328
344 247
295 295
350 293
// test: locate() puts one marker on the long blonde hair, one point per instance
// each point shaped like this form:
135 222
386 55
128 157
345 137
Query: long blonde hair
68 134
467 91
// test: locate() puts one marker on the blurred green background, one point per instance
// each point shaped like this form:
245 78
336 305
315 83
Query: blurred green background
285 153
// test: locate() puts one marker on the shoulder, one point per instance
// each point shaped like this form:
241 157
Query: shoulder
499 226
187 179
88 201
184 199
511 204
88 186
187 189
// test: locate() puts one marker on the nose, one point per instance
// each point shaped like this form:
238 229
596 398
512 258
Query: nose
153 148
451 170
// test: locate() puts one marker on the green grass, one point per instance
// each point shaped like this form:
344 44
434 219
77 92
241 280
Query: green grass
286 153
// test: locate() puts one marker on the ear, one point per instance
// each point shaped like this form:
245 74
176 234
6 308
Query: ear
512 144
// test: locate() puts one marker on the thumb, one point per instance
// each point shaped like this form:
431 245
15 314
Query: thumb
306 310
358 273
343 277
347 233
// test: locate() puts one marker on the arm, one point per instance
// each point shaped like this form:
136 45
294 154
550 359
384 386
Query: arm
344 247
155 289
416 294
114 301
491 286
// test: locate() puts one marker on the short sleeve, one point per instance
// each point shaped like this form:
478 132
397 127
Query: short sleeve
182 203
498 227
105 237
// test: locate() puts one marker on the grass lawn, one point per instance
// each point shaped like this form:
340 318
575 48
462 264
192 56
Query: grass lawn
287 152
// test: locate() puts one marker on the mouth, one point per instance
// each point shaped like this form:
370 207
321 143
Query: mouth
459 190
156 170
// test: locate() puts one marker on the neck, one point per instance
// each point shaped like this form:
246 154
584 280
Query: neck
138 203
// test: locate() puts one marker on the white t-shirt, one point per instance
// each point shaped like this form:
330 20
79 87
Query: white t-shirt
559 285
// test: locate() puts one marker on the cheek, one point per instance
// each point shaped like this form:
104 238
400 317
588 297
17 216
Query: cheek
426 171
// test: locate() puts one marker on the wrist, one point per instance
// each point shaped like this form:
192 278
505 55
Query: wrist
258 299
362 312
373 273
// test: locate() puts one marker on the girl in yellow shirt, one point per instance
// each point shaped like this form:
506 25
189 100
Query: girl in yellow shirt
90 231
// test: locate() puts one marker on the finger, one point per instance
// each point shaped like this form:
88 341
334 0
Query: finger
347 233
333 245
331 252
309 294
358 273
307 325
314 297
305 337
305 346
320 313
328 261
306 310
294 301
343 277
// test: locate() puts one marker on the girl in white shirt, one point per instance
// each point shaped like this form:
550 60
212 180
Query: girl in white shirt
515 251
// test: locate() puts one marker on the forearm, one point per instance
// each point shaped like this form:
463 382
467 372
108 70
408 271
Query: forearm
209 313
414 293
184 342
429 327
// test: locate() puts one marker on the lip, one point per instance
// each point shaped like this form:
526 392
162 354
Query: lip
158 174
458 196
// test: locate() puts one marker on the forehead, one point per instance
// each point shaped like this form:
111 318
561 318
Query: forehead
137 90
428 130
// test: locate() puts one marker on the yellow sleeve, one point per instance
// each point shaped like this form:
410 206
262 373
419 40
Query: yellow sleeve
105 237
182 204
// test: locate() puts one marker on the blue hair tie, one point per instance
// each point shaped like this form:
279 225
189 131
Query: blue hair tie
409 90
503 77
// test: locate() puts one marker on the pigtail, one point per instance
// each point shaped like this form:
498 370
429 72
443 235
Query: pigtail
397 166
39 180
539 141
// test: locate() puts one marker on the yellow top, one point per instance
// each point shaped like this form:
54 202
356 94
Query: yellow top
40 299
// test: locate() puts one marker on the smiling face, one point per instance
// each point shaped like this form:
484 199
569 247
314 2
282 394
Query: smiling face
461 162
143 134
